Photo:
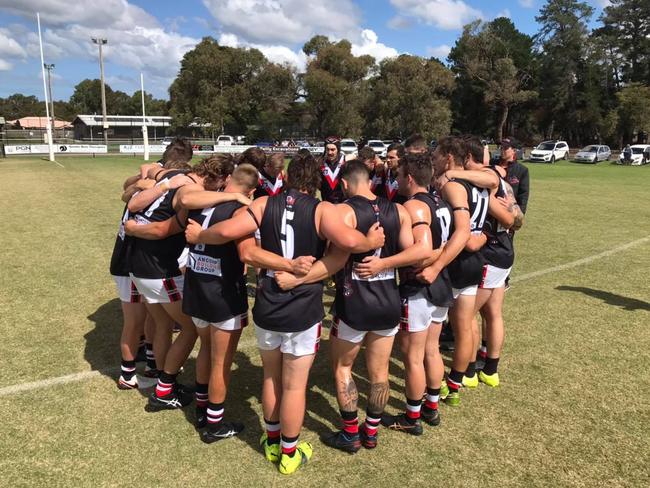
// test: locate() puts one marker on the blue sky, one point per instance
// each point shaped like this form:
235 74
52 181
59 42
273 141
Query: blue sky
151 36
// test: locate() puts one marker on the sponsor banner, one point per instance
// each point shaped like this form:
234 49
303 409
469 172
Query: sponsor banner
139 148
292 150
58 148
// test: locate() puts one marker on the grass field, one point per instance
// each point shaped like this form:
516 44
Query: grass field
573 408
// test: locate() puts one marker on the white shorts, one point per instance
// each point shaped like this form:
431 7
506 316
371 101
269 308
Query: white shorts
127 290
160 290
182 259
469 291
297 343
234 323
494 277
343 331
418 313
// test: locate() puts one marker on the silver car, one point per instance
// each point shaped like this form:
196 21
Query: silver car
593 154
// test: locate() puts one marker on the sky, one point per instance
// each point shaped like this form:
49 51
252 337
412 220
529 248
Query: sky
151 36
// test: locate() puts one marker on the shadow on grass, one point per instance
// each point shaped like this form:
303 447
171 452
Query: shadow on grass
625 303
102 350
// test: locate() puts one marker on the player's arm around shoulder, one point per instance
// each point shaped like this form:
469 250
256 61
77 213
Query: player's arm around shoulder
245 221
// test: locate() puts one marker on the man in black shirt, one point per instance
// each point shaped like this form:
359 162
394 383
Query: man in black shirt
516 173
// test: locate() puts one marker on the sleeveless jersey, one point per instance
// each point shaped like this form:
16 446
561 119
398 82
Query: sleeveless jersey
467 268
498 250
288 229
439 292
268 186
120 257
330 187
215 284
155 259
370 303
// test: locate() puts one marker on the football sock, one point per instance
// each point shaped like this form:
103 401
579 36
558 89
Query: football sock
350 422
272 431
454 380
491 365
215 415
413 409
482 352
128 369
288 445
471 369
201 395
151 359
431 399
372 422
165 384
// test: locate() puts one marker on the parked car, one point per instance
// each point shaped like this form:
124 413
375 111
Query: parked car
550 151
378 146
593 154
225 140
349 147
638 156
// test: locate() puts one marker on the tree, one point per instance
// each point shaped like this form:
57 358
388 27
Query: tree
628 24
563 41
633 113
486 58
17 106
335 86
410 95
87 97
224 87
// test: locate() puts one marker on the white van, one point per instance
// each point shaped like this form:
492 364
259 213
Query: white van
550 151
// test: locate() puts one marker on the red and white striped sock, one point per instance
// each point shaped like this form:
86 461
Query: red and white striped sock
413 409
350 422
288 445
371 425
272 431
432 398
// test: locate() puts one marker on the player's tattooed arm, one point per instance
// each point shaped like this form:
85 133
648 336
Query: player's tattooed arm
378 397
516 209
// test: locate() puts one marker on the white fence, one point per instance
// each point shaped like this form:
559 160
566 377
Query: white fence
58 148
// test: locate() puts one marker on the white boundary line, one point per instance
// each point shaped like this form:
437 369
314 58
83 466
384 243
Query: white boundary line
72 378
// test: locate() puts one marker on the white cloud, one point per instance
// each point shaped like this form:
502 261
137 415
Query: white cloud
444 14
503 13
441 52
527 3
370 45
284 21
5 65
603 3
135 38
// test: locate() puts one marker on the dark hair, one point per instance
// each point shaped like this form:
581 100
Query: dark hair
452 145
274 159
415 141
303 151
418 166
396 146
366 153
254 156
303 174
354 171
473 147
214 170
177 151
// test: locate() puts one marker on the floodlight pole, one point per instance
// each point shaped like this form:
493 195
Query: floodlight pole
145 135
47 108
49 68
100 42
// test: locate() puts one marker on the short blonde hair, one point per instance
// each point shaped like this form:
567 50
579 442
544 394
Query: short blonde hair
246 175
